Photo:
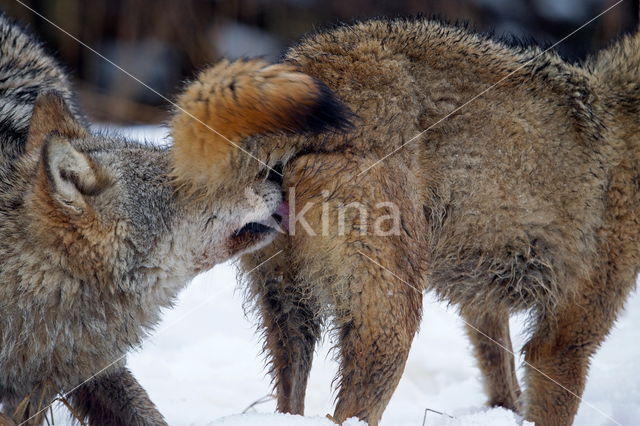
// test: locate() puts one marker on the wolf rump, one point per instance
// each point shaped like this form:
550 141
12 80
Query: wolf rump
526 199
97 235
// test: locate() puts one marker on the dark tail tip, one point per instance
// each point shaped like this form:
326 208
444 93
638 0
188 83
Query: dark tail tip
326 114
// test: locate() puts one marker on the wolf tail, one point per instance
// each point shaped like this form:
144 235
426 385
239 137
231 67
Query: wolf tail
617 71
232 101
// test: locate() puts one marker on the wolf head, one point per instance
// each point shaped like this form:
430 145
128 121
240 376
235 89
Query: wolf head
106 208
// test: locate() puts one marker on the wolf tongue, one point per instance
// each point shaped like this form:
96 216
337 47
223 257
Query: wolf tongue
283 212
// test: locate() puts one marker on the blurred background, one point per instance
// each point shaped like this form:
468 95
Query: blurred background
164 42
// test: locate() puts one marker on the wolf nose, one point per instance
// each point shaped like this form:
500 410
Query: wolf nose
281 216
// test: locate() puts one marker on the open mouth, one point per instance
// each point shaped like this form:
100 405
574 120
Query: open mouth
253 233
250 235
253 228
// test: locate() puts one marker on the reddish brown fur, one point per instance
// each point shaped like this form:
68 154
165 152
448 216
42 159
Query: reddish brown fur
6 421
52 115
525 199
229 102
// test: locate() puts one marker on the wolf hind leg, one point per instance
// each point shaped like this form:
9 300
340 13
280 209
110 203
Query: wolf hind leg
557 356
489 335
289 316
375 341
365 254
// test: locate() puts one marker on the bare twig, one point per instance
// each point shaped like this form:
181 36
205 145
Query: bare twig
262 400
424 418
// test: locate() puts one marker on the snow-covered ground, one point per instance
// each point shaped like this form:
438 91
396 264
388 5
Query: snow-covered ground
204 366
204 363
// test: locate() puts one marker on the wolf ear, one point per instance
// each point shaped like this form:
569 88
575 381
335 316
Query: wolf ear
69 175
52 115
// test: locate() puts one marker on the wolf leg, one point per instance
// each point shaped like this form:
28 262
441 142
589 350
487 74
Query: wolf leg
558 354
115 399
361 253
291 325
375 343
489 334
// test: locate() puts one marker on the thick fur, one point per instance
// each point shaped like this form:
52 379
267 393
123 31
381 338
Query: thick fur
232 101
525 199
96 238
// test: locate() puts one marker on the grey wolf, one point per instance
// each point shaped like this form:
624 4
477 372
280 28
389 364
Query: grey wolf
526 199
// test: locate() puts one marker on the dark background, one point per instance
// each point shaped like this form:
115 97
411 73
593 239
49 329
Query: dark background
164 42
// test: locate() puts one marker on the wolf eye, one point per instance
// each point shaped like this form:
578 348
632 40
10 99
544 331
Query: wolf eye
210 220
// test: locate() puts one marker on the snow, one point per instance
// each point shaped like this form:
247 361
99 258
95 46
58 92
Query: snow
205 363
493 417
279 420
204 366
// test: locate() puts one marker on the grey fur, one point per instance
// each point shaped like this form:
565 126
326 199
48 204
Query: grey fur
94 241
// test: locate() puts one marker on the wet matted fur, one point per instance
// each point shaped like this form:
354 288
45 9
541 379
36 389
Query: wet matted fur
526 199
97 236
